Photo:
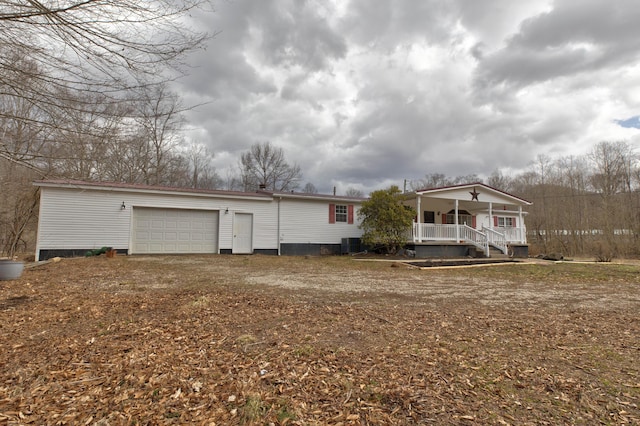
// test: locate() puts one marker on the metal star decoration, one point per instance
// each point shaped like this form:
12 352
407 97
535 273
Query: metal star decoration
474 195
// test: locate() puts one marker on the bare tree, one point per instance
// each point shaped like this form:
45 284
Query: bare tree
126 159
80 148
573 206
265 166
231 180
309 188
431 180
612 167
202 173
353 192
499 181
160 120
22 135
18 207
538 192
55 50
612 164
464 179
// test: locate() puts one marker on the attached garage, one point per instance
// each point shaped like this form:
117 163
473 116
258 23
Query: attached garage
173 231
76 217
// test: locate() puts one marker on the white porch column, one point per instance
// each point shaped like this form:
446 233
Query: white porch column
523 238
418 229
490 215
457 225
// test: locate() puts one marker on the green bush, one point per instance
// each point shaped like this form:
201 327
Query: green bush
385 221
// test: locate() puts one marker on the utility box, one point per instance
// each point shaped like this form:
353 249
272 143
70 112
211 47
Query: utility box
350 245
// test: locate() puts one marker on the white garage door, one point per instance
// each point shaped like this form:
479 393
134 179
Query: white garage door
174 231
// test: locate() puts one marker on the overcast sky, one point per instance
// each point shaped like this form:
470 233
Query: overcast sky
365 94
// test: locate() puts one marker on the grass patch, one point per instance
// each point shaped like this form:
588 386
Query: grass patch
201 302
565 272
285 414
253 409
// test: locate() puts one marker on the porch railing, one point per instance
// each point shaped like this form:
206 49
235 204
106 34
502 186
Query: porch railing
432 232
475 237
514 235
496 239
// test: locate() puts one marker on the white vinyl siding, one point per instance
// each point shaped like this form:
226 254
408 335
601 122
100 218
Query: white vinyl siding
307 221
85 217
72 218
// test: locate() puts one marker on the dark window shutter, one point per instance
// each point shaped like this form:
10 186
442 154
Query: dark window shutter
332 213
495 221
473 222
444 218
514 223
350 214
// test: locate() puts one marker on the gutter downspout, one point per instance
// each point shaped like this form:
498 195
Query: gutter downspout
39 228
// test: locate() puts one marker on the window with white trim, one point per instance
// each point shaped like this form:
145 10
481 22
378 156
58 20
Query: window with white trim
506 222
464 218
340 213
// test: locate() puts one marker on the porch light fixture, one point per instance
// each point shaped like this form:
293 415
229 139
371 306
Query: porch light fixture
226 211
123 207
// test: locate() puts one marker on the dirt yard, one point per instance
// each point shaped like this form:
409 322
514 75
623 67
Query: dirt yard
218 340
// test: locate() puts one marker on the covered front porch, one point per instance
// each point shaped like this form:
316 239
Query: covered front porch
502 239
470 219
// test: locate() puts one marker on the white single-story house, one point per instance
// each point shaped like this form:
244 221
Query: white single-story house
459 220
78 216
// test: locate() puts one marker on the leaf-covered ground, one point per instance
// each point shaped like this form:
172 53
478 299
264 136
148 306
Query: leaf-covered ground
219 340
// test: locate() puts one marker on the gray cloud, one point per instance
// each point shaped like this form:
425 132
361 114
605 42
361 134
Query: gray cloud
365 95
294 34
387 24
572 38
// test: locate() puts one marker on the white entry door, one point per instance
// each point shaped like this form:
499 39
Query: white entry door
242 233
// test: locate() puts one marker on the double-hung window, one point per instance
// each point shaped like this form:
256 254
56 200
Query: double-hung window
506 222
341 213
464 218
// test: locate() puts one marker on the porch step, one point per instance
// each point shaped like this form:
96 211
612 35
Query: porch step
494 253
